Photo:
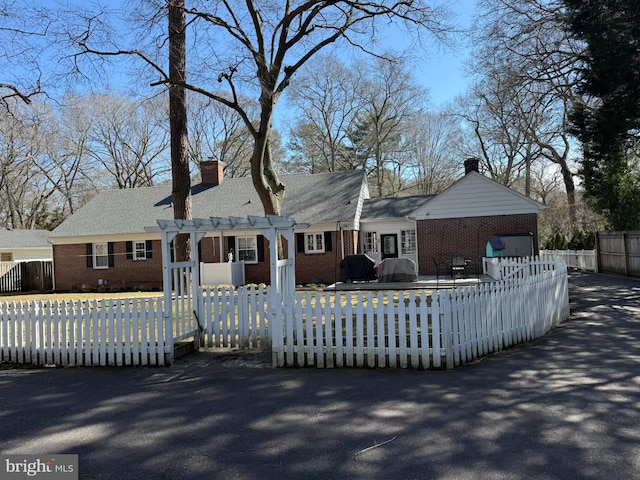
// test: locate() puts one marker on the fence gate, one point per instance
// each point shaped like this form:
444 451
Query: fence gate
26 276
183 298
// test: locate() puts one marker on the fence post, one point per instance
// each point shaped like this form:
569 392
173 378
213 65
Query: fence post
447 328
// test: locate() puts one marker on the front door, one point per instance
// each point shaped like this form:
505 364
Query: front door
389 245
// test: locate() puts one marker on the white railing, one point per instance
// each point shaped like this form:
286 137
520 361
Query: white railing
506 268
229 273
87 333
586 260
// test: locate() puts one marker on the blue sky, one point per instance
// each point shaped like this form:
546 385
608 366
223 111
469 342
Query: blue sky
442 72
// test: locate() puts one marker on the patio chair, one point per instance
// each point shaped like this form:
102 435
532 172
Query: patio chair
457 265
475 267
441 266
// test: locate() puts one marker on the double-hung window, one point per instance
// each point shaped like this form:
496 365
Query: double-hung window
371 243
314 243
408 241
100 255
247 249
140 251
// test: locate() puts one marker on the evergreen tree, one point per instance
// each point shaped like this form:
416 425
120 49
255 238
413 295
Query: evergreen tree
609 127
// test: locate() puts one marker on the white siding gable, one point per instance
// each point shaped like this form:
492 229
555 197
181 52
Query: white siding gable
475 195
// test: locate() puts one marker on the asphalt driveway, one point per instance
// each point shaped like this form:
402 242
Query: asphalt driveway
564 406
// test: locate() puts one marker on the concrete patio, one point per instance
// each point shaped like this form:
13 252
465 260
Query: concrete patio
424 282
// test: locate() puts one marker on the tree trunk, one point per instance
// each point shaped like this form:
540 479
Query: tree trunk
570 188
181 190
265 179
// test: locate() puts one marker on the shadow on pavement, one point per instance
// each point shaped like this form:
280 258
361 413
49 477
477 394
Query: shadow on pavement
564 406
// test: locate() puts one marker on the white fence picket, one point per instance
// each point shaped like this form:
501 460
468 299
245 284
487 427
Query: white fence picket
349 338
404 329
360 341
319 337
111 332
328 331
422 330
423 344
309 338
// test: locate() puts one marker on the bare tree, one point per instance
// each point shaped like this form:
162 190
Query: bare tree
20 29
66 163
327 99
128 139
24 192
436 139
256 48
178 120
492 110
218 132
530 37
390 101
371 116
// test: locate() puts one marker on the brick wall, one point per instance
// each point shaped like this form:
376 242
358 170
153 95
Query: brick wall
442 238
310 268
71 271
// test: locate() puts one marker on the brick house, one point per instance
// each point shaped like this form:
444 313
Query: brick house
105 242
461 219
431 229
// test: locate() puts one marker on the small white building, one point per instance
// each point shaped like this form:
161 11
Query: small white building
25 245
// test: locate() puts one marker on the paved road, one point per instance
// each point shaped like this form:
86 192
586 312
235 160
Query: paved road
566 406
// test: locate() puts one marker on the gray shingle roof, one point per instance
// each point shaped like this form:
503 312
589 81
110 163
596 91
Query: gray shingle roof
319 198
394 207
14 239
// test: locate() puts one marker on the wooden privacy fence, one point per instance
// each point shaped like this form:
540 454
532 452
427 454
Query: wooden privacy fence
619 252
26 276
405 329
95 333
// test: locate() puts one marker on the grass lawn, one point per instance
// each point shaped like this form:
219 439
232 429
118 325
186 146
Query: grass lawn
316 295
52 297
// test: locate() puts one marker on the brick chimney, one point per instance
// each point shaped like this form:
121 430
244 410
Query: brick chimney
471 165
212 172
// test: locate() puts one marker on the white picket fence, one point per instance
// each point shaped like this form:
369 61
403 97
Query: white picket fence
115 332
235 318
586 260
409 330
329 329
129 331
